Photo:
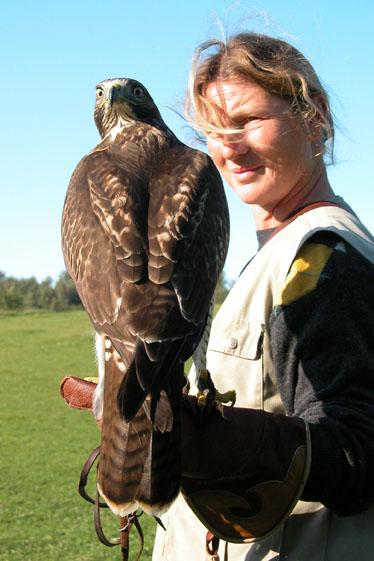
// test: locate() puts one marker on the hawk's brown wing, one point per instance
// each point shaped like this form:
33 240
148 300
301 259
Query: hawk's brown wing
89 258
188 232
104 232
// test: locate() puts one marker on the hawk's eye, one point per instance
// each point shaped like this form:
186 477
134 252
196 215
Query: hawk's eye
99 92
138 91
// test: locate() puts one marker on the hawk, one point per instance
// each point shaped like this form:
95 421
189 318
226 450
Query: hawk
145 231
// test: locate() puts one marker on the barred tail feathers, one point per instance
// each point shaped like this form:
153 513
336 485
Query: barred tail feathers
140 467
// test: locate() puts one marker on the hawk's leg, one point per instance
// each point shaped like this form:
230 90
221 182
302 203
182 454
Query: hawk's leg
98 400
208 397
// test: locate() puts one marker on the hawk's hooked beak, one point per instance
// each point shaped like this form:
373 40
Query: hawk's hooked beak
116 95
119 102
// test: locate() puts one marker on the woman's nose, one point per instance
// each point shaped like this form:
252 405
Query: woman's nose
233 147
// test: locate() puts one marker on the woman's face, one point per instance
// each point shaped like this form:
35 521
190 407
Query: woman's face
273 158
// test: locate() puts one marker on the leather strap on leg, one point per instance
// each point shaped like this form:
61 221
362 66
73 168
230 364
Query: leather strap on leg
126 522
211 546
84 477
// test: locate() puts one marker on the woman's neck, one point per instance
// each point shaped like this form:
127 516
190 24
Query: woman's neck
316 189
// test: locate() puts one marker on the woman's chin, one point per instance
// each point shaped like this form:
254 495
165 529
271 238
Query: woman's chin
248 194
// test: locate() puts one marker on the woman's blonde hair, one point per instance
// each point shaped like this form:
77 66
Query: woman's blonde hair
272 63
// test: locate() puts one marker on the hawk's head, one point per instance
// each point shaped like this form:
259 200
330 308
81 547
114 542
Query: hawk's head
121 101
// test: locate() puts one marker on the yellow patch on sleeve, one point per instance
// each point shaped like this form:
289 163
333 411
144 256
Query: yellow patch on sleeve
305 272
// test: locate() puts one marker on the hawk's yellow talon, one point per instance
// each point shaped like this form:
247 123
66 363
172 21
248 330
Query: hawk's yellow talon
201 399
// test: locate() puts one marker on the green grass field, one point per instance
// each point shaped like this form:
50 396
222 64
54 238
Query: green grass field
44 443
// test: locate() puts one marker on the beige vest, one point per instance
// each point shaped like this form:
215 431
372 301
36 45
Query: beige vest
239 357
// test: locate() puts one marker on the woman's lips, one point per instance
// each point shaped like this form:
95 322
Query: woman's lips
246 174
241 170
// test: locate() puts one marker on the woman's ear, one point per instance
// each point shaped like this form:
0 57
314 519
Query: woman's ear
318 124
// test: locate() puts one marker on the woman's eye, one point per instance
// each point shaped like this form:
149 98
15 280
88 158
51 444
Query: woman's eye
241 123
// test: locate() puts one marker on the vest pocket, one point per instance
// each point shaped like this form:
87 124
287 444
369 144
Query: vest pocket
239 338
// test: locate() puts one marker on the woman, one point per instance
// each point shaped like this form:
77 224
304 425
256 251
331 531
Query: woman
295 335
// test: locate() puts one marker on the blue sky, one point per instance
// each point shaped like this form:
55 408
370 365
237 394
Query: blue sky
53 53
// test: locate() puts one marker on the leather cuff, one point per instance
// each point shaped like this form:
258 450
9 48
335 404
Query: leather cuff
77 393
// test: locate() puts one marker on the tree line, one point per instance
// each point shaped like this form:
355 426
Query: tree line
22 294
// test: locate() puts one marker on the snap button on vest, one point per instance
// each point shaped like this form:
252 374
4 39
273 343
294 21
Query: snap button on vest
232 343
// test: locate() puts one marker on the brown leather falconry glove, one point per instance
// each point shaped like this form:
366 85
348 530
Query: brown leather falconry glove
244 472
